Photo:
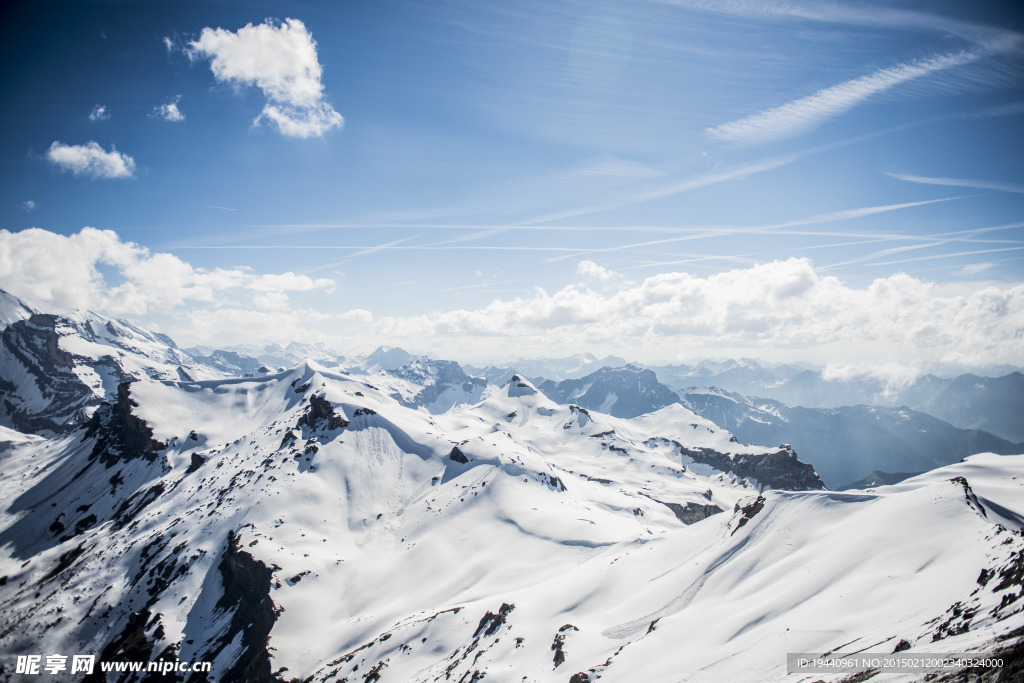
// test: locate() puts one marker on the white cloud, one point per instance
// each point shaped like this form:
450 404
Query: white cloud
302 122
99 113
592 270
768 309
279 59
169 111
227 326
960 182
858 14
92 160
57 272
360 315
28 205
801 115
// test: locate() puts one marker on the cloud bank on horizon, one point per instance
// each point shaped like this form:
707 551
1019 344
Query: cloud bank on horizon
821 180
785 304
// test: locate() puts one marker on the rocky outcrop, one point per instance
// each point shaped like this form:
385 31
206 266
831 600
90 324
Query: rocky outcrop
778 470
121 436
691 513
247 583
321 409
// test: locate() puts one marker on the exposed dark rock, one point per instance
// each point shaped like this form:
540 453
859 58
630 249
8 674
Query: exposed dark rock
247 584
691 513
491 622
135 503
458 456
64 562
131 644
777 470
901 646
197 462
748 511
121 436
580 678
552 481
321 409
374 674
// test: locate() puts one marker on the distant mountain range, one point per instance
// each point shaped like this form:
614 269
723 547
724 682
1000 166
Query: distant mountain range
994 404
844 444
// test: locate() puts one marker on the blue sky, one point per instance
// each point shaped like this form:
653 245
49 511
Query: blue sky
663 180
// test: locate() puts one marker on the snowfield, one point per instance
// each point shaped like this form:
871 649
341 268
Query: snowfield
307 525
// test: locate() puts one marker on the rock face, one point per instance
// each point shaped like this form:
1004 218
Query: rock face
691 513
246 595
778 470
321 411
121 436
41 392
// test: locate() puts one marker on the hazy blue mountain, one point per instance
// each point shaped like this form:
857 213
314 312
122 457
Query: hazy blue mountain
623 392
847 443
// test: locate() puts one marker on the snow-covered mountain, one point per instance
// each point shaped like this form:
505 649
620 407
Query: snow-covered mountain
326 532
556 369
273 356
843 444
437 385
413 523
848 443
56 369
624 392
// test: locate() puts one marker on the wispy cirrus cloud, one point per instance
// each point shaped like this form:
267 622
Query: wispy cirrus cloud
279 59
959 182
804 114
854 14
92 160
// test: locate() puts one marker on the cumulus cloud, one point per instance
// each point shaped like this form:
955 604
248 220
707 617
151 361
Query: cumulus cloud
99 113
57 272
592 270
360 315
280 60
92 160
764 308
169 111
226 326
